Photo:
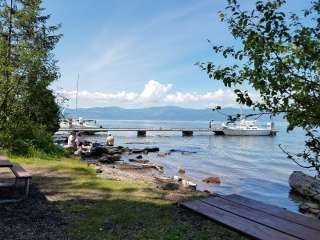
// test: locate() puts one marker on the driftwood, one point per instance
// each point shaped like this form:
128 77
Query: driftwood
128 166
137 151
138 161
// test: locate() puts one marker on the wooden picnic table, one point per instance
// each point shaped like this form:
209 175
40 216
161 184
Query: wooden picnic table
4 162
20 174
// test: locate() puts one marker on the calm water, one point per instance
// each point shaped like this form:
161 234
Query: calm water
250 166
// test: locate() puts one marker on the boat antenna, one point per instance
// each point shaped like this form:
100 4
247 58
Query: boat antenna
258 115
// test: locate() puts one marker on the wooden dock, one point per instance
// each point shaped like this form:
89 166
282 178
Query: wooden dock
256 219
141 132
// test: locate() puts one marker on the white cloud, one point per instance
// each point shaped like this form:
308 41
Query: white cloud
153 94
154 91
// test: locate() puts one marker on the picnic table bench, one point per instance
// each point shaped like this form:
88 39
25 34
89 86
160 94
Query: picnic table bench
256 219
20 174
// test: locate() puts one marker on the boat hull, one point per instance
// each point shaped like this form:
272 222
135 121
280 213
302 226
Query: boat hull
246 132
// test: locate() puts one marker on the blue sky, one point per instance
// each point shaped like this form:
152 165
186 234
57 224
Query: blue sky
139 52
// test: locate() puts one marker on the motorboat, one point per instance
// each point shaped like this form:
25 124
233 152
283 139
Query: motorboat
247 128
242 125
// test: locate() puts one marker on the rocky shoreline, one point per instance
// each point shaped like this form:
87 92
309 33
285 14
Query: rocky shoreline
309 189
124 163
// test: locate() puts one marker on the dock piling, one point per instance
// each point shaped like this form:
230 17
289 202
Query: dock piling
187 133
141 133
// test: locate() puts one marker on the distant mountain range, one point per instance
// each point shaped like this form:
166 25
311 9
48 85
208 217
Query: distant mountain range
157 113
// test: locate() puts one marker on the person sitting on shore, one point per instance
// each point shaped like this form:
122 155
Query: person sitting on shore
81 121
110 140
83 148
70 122
72 141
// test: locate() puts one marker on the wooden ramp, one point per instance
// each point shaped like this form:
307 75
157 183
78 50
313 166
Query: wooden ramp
256 219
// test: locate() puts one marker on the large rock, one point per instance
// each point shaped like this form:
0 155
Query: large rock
145 150
305 185
110 158
152 149
96 151
112 151
169 186
166 183
163 154
212 180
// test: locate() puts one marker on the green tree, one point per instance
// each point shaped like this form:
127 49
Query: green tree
279 56
28 110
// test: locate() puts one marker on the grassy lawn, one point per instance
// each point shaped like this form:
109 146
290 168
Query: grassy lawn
95 208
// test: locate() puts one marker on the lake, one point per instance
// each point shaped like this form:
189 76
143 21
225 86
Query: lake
250 166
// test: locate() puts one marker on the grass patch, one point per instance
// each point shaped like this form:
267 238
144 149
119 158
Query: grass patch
96 208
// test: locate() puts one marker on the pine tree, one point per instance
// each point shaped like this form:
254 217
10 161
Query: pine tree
27 68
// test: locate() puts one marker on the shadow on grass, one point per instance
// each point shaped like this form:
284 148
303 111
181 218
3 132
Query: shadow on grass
104 218
83 206
130 219
33 218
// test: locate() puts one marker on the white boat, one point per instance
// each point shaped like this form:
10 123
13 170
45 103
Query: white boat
247 128
72 123
81 123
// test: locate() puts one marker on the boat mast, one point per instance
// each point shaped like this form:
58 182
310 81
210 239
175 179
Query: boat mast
77 95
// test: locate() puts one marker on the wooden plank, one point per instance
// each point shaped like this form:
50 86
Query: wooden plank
5 163
276 211
20 172
261 217
241 224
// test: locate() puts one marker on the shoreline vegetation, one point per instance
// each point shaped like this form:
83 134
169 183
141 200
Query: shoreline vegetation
78 204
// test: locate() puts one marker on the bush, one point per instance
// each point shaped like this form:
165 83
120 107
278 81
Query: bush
29 140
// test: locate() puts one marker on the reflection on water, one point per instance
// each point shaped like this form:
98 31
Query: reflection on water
251 166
